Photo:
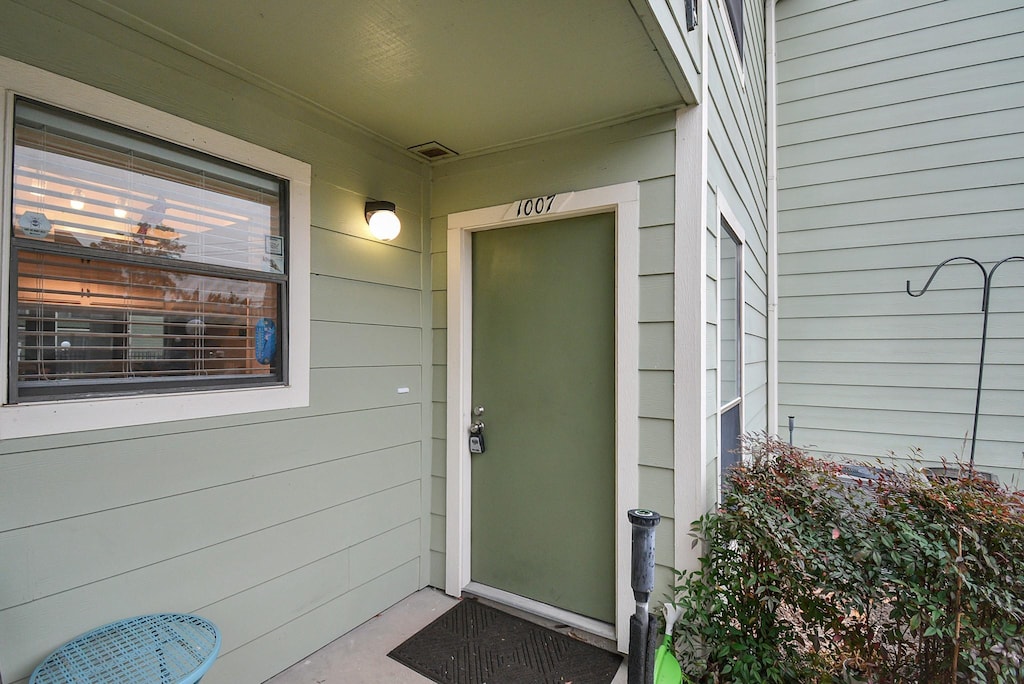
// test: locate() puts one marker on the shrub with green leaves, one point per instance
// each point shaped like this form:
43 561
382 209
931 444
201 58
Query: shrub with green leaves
808 576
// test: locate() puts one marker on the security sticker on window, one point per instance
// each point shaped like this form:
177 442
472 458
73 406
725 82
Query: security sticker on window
273 245
34 225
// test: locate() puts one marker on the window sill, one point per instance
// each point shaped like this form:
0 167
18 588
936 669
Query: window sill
58 417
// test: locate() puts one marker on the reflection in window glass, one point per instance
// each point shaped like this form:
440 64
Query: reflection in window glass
729 325
91 185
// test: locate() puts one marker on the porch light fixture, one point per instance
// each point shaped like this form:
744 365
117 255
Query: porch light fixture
384 224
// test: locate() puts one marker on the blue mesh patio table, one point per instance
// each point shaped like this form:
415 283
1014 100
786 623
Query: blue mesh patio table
167 648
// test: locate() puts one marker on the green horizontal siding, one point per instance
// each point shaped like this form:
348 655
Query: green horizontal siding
900 147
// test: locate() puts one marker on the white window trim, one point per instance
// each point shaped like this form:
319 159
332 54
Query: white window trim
727 217
72 415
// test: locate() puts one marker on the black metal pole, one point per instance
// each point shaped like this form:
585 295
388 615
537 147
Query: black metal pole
981 373
984 338
985 296
641 652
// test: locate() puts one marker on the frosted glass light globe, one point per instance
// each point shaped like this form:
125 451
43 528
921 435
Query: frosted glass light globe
384 225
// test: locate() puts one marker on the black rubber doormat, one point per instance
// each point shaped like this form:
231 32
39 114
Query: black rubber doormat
476 644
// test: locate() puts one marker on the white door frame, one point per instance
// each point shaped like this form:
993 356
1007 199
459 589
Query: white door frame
623 200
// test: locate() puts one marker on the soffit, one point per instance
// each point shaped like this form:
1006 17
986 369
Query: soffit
471 74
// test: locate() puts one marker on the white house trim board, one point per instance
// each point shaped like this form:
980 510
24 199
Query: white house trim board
66 415
773 218
624 201
689 425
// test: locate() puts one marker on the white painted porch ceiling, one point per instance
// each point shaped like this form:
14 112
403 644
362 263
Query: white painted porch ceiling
471 74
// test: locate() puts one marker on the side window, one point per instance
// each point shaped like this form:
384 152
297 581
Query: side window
154 269
730 326
138 265
734 8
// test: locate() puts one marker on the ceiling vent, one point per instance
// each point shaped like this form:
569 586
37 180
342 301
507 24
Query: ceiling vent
433 151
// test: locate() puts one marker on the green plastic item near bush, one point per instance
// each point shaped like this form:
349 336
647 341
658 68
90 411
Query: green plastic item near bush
666 667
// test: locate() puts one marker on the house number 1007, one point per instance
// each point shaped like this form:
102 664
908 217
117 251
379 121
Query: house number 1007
535 206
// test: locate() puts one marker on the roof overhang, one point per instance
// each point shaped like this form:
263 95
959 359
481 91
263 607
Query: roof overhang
471 76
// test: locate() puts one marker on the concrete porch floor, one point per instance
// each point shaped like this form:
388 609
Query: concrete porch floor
361 656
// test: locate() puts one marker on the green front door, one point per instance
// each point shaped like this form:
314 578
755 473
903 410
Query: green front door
543 492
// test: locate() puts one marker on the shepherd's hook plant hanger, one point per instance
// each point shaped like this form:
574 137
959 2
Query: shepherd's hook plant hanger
987 275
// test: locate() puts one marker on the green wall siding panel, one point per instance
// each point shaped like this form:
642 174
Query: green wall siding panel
656 298
869 131
656 485
154 530
354 301
345 256
440 383
985 225
656 347
39 486
929 28
805 17
638 150
656 394
345 345
656 447
912 75
945 354
656 250
438 269
900 147
351 389
924 375
949 400
657 201
873 186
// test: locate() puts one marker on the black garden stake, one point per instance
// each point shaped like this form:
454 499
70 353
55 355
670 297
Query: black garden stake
986 291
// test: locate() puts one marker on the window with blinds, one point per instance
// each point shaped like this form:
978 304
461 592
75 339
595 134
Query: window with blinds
139 265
